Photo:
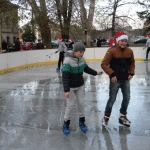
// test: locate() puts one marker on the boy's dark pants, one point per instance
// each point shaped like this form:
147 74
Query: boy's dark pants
61 59
148 49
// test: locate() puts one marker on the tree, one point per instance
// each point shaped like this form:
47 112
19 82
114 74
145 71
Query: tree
111 15
64 13
87 20
48 14
29 34
145 15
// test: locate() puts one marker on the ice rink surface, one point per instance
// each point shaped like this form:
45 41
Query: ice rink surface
32 106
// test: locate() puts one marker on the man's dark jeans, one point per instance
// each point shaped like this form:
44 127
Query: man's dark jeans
113 90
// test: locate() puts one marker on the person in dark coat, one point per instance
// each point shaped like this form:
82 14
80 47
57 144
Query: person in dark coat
98 42
17 45
4 45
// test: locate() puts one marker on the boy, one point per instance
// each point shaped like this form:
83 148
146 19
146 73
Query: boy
73 67
119 64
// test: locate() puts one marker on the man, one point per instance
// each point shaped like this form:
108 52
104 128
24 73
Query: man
40 45
148 47
4 45
119 64
17 45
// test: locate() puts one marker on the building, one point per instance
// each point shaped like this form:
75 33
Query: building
9 22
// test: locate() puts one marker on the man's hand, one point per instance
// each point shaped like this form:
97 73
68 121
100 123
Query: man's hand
100 73
67 94
114 79
130 77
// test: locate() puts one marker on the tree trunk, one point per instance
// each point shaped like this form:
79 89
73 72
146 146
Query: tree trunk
87 22
40 13
46 35
113 19
64 11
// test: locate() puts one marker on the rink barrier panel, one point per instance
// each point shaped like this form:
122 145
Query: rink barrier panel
10 62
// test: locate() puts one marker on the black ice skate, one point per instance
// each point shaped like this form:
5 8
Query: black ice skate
105 121
82 125
124 121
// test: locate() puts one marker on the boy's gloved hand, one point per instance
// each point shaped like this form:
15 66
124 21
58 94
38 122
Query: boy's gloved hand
100 73
67 94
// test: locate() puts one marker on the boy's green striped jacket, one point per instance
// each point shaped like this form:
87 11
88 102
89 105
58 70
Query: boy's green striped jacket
72 74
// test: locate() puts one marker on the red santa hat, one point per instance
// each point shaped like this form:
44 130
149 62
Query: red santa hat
148 36
60 38
121 36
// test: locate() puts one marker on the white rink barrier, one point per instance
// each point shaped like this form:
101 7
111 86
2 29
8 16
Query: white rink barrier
31 58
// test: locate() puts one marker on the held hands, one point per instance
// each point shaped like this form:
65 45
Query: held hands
100 73
67 94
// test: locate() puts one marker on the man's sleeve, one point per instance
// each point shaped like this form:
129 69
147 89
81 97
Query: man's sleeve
105 63
132 65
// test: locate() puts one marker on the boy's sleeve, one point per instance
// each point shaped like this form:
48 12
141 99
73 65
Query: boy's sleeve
89 70
66 77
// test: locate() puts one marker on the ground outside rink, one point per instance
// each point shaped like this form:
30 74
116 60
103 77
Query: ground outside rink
32 106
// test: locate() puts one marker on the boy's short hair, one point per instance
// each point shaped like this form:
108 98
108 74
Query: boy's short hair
79 46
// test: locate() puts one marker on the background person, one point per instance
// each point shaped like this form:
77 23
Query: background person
17 44
112 42
40 45
61 49
99 42
147 45
4 45
119 64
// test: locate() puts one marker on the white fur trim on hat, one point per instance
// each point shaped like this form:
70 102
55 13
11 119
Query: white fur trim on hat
121 38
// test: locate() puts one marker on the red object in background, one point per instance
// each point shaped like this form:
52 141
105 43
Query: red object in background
21 46
60 38
28 46
112 43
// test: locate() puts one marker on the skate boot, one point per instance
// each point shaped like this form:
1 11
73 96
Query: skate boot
146 59
57 69
66 129
105 121
124 121
82 125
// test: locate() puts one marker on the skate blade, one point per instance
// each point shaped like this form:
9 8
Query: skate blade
84 130
66 132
